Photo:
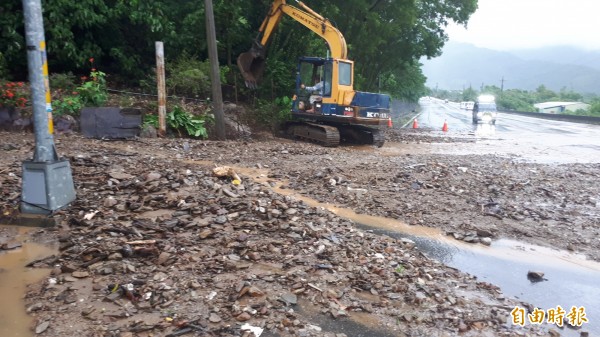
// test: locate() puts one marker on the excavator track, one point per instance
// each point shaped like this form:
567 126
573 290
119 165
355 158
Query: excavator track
378 137
323 134
360 134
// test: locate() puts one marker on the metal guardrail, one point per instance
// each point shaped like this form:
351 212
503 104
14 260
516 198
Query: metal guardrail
556 117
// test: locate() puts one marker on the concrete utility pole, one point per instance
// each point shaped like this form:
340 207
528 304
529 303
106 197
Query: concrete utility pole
162 93
47 183
215 76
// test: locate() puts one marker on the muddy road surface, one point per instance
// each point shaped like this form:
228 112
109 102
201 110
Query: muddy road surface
297 239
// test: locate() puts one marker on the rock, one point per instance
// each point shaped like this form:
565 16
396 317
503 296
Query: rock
244 316
214 318
470 239
254 256
289 298
486 241
255 292
553 333
115 257
535 276
221 219
484 233
80 274
110 202
149 131
11 245
205 233
162 258
153 176
42 327
35 307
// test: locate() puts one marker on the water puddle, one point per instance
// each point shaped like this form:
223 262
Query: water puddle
14 278
571 279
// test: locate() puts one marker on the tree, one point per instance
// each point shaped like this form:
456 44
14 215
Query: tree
386 38
469 94
543 94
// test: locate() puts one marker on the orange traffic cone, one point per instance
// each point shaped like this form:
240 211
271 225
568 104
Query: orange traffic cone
390 125
415 124
445 127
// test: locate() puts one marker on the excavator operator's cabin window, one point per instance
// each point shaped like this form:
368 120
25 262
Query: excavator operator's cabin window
345 71
327 74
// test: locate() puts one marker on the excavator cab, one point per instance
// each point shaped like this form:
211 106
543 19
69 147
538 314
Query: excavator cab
312 72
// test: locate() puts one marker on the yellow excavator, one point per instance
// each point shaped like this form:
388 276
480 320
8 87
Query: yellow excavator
331 111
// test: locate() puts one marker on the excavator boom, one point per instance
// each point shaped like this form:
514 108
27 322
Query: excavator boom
252 63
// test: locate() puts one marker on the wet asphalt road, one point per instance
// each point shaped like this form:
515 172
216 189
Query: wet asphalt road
536 139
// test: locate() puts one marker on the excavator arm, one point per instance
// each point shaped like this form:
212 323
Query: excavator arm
252 63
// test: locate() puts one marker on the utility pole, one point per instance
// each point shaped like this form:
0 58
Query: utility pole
215 77
502 85
47 182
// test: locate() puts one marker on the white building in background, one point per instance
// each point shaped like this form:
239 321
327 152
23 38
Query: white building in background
560 107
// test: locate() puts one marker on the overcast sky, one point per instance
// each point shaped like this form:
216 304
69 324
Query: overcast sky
516 24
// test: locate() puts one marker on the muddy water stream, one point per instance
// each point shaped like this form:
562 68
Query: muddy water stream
14 278
571 280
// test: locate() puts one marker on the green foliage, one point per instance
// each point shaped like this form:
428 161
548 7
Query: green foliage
385 38
543 94
514 99
569 95
271 114
66 82
594 109
180 120
93 91
399 269
3 67
469 95
150 119
68 105
189 77
410 87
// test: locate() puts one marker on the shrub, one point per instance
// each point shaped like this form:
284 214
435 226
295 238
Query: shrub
187 76
272 113
180 120
68 105
13 94
60 83
93 91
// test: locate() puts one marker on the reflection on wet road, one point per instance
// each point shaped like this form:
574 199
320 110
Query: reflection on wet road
532 139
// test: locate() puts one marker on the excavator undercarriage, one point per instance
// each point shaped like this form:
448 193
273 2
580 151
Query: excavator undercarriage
331 136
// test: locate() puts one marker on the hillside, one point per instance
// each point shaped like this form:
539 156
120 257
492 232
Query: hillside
463 65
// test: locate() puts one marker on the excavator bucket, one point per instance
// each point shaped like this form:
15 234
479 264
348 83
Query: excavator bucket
252 65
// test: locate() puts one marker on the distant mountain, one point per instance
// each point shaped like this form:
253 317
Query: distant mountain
561 54
463 65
